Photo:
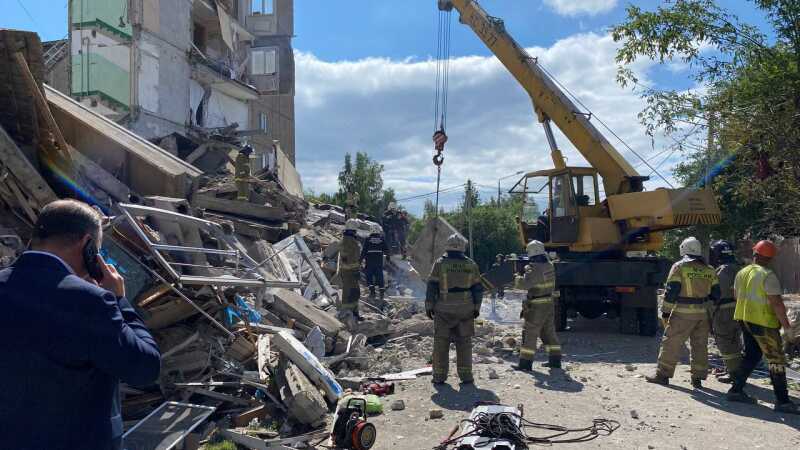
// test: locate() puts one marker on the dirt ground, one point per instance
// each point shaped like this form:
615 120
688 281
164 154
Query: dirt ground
603 377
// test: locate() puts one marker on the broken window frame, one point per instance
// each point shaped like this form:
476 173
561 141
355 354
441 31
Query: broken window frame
235 249
207 411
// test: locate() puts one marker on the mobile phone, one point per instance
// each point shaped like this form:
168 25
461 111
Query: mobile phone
90 260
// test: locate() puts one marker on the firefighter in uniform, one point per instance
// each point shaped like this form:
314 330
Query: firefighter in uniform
453 301
499 260
373 254
538 309
727 333
761 313
690 284
350 268
243 173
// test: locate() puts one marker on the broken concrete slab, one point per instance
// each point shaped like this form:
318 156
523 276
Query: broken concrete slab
302 399
238 207
297 353
289 304
430 245
148 169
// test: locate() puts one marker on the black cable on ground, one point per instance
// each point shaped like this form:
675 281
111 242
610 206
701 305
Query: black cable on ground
503 427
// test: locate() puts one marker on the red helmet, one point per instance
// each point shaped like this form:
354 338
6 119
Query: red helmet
766 249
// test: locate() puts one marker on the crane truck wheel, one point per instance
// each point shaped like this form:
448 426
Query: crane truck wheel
560 315
648 321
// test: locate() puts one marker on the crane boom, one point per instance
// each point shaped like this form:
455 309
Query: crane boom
549 102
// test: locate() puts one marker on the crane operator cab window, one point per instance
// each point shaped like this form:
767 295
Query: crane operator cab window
534 214
585 190
564 209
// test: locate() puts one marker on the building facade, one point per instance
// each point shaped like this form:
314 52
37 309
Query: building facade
186 73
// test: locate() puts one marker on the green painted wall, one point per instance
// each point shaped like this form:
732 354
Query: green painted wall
102 14
100 77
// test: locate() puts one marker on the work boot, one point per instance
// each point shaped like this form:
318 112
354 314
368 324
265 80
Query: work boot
525 365
787 408
697 383
436 382
725 378
657 379
554 362
739 397
372 292
468 381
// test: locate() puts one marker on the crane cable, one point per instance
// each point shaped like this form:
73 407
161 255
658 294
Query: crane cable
442 85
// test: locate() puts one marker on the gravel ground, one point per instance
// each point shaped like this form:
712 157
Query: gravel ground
603 378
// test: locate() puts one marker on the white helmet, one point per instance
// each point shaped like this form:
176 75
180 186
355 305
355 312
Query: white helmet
691 246
535 248
376 229
351 225
456 243
392 206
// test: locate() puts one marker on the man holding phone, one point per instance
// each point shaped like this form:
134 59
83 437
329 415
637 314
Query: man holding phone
68 337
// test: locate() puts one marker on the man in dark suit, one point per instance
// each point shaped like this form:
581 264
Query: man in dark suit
66 339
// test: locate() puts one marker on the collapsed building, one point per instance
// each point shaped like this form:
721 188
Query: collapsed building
240 294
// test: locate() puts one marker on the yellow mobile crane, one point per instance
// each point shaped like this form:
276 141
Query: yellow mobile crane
593 237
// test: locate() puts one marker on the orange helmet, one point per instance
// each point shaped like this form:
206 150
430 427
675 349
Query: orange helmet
766 249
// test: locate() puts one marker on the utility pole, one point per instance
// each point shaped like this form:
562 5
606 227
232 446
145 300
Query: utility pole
468 206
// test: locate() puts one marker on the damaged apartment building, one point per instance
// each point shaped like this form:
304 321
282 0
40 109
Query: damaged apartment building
200 78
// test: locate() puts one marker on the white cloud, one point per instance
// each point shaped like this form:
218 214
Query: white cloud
385 107
578 7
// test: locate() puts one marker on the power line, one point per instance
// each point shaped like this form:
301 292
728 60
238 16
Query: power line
431 193
30 16
574 97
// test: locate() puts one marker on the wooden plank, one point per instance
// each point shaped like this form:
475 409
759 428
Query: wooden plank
220 396
21 199
22 169
244 419
237 207
44 110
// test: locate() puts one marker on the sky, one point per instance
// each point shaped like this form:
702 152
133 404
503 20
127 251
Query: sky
365 81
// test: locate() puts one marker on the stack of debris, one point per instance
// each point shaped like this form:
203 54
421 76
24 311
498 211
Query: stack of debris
239 294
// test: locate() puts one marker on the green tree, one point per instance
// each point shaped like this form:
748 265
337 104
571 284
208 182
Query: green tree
364 177
740 131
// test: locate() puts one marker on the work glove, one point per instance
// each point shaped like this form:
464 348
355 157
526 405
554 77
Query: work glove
521 314
475 314
429 313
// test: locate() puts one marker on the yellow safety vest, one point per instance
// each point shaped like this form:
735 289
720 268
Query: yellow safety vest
751 298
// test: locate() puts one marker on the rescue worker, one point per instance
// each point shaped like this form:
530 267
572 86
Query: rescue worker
538 309
761 313
499 260
351 205
453 301
243 173
349 268
373 254
690 284
727 333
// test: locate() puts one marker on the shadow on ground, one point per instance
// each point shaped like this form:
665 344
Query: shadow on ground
716 399
463 399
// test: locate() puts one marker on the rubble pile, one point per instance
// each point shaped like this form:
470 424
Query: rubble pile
241 295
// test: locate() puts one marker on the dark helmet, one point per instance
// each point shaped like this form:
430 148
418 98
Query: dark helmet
722 252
